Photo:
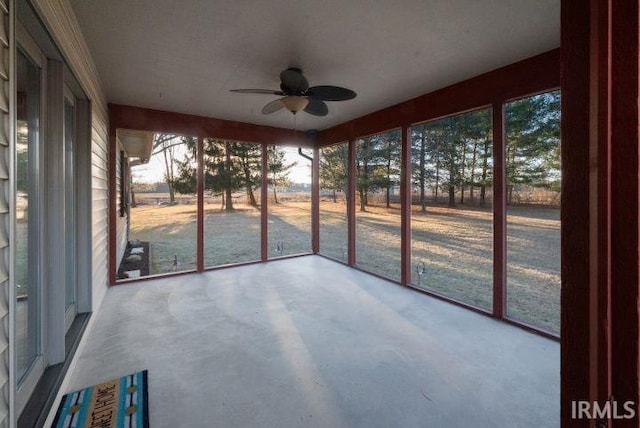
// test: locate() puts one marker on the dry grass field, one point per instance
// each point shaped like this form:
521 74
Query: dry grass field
454 246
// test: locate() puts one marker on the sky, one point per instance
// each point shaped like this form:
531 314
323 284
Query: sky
153 171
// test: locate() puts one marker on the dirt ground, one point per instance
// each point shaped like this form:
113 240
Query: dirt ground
453 248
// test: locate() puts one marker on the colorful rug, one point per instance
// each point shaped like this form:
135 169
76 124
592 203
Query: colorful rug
118 403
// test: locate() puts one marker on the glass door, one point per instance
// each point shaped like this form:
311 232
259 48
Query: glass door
28 323
70 208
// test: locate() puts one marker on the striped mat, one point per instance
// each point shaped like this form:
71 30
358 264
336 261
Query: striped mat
118 403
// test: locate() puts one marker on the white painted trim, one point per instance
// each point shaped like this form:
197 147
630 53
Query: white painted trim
53 215
58 17
28 383
29 46
26 388
69 316
69 96
84 221
64 386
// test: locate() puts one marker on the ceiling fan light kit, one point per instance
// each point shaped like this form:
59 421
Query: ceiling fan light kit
299 96
294 103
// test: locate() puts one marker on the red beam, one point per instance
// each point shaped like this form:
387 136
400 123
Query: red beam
128 117
576 218
264 207
315 201
600 189
499 213
625 204
405 208
600 334
200 199
536 74
351 206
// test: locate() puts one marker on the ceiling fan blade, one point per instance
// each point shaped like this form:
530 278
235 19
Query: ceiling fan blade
316 107
272 107
293 82
257 91
331 93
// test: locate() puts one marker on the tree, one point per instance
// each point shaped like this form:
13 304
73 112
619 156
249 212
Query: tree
334 166
446 146
424 165
533 142
229 166
370 167
278 169
452 152
390 149
165 144
249 160
474 130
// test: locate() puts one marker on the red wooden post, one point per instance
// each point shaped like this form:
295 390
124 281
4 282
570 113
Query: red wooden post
405 207
315 201
600 141
499 213
351 205
600 332
625 212
264 206
575 327
200 199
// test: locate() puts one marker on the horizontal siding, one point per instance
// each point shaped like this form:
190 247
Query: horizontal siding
99 243
99 159
98 162
98 182
100 228
7 337
101 128
98 155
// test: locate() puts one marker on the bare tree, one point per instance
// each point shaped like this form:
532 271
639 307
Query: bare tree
166 144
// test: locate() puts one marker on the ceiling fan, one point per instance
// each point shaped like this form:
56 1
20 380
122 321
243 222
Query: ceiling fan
297 95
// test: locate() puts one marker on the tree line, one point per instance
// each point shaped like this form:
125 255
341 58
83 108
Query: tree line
229 167
453 156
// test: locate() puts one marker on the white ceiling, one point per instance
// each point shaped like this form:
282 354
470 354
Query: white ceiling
185 55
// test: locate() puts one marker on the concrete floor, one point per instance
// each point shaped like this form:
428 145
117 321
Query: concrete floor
310 342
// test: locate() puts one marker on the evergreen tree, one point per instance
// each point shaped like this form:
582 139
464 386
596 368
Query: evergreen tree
533 142
229 166
278 169
390 151
371 168
334 166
